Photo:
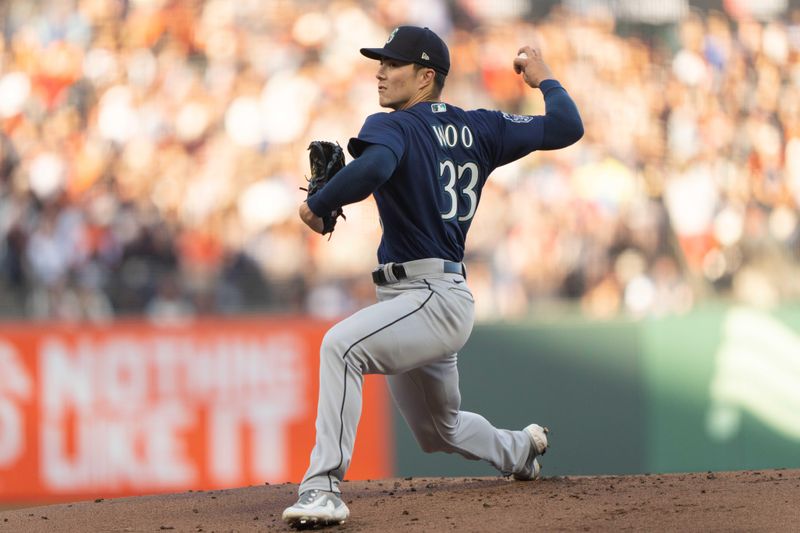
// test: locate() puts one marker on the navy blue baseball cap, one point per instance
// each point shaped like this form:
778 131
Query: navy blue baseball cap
414 45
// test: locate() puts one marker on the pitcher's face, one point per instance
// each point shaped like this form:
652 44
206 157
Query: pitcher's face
397 83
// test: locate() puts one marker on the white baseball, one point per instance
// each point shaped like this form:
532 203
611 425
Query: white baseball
523 55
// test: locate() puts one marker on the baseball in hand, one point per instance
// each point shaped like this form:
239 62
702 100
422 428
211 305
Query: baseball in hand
517 66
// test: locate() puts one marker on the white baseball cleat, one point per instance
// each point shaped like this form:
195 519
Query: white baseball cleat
316 508
538 436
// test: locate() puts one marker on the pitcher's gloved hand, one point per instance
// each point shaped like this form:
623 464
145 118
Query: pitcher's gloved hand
326 159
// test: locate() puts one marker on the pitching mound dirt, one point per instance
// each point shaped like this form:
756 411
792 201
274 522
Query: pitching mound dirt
766 500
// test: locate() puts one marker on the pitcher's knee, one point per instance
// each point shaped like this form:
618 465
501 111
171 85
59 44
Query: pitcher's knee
447 432
337 351
333 344
430 441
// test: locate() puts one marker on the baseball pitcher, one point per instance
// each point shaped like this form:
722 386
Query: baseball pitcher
425 162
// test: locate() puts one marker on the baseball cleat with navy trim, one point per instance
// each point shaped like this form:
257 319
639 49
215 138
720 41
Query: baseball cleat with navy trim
316 508
538 436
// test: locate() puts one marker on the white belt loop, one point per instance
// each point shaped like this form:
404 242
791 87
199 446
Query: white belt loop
389 273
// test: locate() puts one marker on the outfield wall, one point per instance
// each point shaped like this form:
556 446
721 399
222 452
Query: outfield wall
134 407
716 389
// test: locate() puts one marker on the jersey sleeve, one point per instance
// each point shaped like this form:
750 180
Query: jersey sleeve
517 135
379 128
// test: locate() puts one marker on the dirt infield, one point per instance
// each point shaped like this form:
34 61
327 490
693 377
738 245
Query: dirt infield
767 500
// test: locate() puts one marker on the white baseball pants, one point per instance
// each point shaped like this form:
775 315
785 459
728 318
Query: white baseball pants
411 335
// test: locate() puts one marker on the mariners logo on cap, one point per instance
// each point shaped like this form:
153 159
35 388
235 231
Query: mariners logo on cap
391 35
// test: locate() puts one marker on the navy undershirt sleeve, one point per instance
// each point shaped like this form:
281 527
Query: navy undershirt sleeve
356 180
520 135
562 123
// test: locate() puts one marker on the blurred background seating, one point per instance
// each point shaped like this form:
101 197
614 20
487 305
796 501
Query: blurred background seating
151 153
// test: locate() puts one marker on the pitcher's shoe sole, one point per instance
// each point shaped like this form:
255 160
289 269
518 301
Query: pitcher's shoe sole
311 522
316 508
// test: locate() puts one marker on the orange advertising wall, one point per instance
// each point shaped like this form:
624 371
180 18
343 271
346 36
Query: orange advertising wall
133 408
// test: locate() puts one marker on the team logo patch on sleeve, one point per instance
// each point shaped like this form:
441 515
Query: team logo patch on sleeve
519 119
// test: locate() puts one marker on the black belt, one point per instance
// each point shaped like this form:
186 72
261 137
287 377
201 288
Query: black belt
399 271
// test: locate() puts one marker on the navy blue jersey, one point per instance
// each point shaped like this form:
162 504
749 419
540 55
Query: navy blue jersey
444 156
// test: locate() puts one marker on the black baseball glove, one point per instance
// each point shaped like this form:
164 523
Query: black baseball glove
326 159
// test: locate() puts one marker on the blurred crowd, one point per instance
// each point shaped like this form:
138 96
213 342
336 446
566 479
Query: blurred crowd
151 154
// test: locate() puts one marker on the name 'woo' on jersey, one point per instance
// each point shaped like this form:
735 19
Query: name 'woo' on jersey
444 156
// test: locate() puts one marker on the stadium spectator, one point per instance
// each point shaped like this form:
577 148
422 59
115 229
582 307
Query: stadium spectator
151 153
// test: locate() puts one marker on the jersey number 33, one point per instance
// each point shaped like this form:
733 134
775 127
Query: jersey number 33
459 181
